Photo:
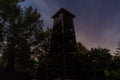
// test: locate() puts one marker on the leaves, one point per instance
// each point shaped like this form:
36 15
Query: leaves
20 27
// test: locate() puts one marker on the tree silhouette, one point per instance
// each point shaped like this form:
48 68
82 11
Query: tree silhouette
20 28
115 65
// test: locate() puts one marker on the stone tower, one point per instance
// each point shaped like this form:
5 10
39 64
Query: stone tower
61 60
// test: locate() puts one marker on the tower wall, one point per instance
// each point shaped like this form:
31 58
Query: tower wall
63 49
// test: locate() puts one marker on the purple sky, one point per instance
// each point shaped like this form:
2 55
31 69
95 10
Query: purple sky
97 22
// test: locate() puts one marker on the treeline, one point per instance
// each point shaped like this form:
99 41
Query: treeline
24 45
98 63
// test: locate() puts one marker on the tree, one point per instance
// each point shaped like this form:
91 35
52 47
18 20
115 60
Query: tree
81 48
20 28
7 15
44 50
94 64
115 65
26 43
7 10
21 38
101 60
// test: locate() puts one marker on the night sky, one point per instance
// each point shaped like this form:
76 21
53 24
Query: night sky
97 22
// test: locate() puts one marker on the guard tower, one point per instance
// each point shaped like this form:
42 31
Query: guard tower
62 58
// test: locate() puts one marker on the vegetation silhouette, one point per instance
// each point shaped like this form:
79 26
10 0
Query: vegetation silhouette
25 45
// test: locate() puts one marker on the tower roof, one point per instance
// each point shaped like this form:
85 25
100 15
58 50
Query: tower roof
62 10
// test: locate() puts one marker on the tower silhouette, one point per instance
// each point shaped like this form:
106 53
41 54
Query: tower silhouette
61 61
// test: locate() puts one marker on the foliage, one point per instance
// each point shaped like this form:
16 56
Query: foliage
81 48
115 65
95 64
20 30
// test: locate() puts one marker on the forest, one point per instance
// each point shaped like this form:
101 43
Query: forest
25 43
